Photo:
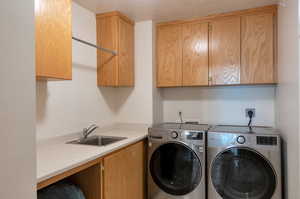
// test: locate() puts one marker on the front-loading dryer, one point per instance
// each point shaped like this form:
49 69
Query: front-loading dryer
243 163
176 161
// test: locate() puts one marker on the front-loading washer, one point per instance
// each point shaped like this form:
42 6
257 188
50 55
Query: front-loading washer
176 161
243 163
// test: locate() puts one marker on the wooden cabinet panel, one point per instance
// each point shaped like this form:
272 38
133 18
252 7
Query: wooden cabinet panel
107 29
169 56
195 54
225 51
89 180
87 177
126 54
116 32
257 59
242 49
53 34
124 173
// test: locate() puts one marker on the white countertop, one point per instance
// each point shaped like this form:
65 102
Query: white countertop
54 156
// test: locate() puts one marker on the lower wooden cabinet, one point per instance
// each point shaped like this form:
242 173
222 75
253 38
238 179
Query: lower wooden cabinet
119 175
89 180
124 173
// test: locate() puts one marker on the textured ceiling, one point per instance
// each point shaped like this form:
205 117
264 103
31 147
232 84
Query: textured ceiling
164 10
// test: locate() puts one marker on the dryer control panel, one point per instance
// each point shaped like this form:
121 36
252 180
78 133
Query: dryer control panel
216 139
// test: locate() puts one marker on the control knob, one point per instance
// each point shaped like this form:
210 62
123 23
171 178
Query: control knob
174 135
241 139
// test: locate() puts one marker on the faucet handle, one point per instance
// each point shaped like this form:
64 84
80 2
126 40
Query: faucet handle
91 127
89 130
84 132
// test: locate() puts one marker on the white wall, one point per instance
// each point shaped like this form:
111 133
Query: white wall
158 111
223 105
84 103
17 100
288 94
65 107
220 105
299 88
135 105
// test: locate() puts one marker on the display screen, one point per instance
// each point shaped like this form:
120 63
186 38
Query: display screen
264 140
194 135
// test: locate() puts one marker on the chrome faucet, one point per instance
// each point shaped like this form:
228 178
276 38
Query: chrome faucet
89 130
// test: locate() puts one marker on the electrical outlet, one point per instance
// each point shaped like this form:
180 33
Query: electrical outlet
250 109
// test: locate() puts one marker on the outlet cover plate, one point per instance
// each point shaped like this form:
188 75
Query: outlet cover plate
250 109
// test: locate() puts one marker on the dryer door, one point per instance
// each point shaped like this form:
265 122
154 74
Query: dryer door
175 168
242 173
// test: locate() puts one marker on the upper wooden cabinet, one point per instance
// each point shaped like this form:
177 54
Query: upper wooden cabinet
224 49
195 54
169 56
258 49
182 55
53 36
116 32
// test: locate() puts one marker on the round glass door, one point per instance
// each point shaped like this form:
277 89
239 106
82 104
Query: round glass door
240 173
175 168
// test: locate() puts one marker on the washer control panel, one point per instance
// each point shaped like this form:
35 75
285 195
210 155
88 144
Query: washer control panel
193 135
187 135
190 137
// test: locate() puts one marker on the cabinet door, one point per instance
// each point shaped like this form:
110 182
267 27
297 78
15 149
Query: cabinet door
195 54
257 49
107 37
53 34
225 51
126 54
124 173
169 56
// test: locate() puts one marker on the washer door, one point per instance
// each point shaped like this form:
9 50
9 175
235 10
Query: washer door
175 168
241 173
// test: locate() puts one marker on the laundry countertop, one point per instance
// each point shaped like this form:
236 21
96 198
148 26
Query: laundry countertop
54 156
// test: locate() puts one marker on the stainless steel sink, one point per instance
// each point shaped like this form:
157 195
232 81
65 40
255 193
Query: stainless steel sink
97 140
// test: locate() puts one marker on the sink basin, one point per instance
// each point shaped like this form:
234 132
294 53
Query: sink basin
97 140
